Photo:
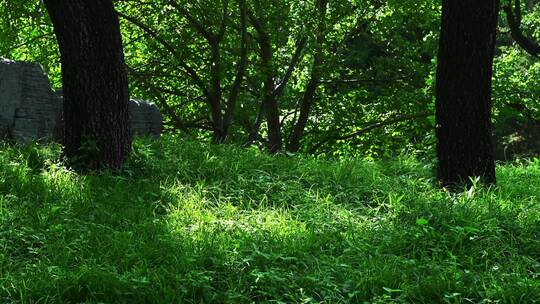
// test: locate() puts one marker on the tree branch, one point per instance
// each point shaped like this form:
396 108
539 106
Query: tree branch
242 67
194 23
513 16
169 47
224 20
295 59
371 126
176 121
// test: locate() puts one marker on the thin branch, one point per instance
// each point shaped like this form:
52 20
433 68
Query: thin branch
355 81
31 41
169 47
177 122
371 126
194 23
224 20
295 59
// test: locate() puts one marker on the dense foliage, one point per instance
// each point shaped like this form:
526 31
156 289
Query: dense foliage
203 63
376 66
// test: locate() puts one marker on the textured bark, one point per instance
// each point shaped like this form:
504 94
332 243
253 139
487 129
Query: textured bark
95 82
464 75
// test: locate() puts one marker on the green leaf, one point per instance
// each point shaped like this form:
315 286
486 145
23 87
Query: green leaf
422 222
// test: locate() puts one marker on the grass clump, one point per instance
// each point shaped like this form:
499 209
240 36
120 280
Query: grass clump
186 222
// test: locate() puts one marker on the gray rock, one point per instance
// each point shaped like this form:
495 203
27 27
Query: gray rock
29 108
31 111
145 118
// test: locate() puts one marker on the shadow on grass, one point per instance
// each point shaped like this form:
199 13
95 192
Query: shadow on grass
191 223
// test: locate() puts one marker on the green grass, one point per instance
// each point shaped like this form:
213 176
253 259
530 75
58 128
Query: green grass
193 223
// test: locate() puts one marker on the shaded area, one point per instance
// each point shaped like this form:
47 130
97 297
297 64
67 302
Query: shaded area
191 223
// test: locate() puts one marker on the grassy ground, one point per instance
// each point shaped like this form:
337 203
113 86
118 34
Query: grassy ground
192 223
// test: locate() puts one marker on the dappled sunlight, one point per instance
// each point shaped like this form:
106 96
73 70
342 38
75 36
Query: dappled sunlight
254 226
283 151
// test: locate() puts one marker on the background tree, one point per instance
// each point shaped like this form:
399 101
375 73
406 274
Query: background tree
512 9
315 78
464 75
517 81
95 85
198 54
377 78
277 29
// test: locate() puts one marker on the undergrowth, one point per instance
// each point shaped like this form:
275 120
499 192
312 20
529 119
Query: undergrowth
186 222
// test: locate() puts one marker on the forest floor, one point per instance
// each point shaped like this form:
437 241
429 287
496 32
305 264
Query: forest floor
192 223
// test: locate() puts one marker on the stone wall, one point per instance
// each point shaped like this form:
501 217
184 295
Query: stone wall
31 111
29 108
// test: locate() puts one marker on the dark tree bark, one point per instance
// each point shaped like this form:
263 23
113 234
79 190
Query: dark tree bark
217 93
269 107
463 107
266 54
95 84
270 101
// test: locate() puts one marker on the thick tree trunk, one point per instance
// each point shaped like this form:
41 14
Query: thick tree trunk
95 84
464 75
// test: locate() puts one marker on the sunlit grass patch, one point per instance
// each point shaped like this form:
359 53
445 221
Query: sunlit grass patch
191 223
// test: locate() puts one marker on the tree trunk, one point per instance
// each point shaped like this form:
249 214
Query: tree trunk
95 84
463 107
240 73
274 125
270 103
215 103
311 89
305 108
